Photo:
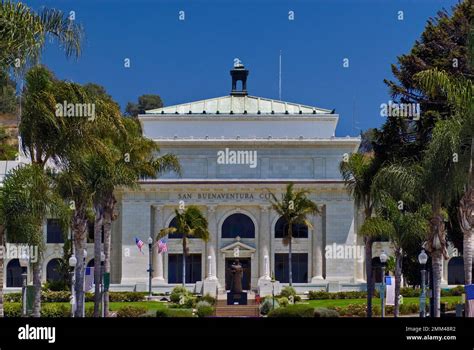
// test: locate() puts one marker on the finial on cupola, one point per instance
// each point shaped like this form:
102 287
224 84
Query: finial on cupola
239 73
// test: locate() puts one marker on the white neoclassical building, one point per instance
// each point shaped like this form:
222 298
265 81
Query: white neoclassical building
234 150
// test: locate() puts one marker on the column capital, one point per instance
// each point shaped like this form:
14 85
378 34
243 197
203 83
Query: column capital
211 208
265 208
158 207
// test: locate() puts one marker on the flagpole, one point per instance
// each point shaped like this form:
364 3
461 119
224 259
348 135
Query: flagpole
279 79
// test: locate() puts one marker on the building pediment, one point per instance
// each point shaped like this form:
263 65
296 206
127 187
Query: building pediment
237 248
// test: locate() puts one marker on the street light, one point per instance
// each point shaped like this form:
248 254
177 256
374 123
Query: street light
73 263
422 259
24 261
102 260
84 284
150 269
383 259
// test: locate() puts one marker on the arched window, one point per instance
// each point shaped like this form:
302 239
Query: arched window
52 271
238 225
281 227
174 223
456 270
14 271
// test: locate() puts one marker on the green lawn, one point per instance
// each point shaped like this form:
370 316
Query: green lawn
375 301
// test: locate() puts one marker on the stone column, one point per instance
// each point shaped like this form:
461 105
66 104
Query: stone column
211 246
158 271
317 247
360 263
264 233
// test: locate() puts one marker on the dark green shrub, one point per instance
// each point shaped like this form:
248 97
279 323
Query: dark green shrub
453 292
318 295
267 305
324 312
12 310
57 286
177 293
55 310
126 296
287 292
204 309
12 298
208 298
131 311
174 313
297 310
283 301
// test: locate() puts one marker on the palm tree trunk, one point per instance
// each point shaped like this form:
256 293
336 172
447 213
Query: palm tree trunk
436 262
97 262
398 280
368 273
1 270
467 255
37 267
79 228
290 265
107 251
184 260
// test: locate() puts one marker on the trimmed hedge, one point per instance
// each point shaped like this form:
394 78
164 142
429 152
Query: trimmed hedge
131 311
65 296
406 292
174 313
297 310
325 312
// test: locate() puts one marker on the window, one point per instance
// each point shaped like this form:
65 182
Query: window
281 227
54 232
299 267
238 225
14 271
175 268
173 223
53 273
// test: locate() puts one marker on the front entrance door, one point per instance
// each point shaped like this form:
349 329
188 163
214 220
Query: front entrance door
245 262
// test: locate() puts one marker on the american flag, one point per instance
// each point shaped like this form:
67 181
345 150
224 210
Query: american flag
162 246
89 279
469 300
139 244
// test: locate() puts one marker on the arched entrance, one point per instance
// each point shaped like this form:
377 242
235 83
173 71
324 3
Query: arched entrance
14 271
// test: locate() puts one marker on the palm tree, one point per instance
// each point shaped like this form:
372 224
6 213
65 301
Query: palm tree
25 32
294 207
358 173
27 197
401 228
190 223
455 136
142 161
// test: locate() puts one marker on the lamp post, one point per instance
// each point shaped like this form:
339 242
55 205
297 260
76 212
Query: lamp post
102 260
150 269
84 267
73 263
24 260
422 259
383 259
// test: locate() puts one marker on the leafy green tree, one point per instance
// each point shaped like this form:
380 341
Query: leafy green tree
190 222
8 102
294 207
8 151
145 102
358 172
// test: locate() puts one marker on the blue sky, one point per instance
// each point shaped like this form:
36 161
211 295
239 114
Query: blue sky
190 60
